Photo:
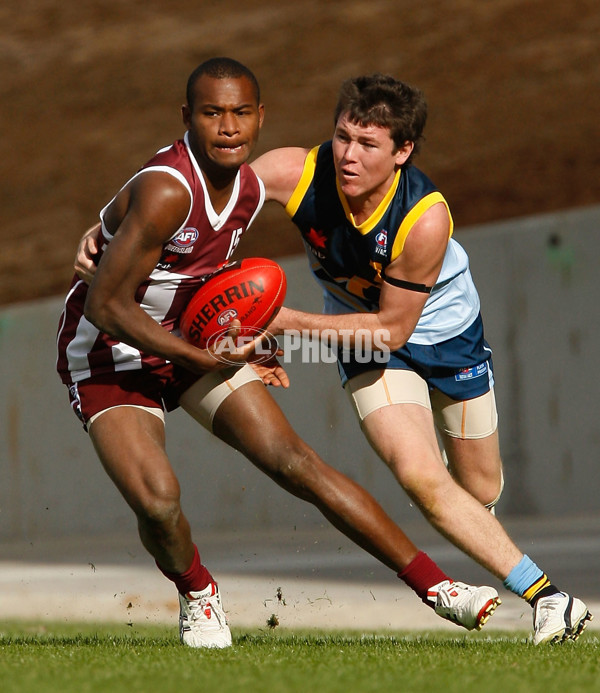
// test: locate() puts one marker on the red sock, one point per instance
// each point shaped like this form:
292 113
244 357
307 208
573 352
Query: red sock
421 574
195 578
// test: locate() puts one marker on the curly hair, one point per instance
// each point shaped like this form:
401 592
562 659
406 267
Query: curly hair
382 100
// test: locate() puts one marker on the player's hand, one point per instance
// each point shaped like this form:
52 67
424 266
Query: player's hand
234 348
85 265
271 372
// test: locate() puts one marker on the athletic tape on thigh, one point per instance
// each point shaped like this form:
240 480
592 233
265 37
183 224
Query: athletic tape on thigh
376 389
206 395
468 419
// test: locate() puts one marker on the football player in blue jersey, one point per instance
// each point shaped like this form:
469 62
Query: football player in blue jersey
378 235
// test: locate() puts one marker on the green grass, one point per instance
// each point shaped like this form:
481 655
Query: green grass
120 659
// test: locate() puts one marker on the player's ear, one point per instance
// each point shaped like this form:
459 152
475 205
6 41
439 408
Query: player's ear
261 114
404 152
186 115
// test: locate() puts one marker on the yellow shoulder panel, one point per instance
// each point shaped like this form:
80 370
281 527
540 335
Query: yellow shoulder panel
300 190
413 216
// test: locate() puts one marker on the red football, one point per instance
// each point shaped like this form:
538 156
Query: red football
250 290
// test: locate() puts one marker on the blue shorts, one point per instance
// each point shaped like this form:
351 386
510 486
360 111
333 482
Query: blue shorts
460 367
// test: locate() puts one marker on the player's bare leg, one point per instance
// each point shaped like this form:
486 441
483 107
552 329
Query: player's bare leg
251 421
130 443
404 437
476 465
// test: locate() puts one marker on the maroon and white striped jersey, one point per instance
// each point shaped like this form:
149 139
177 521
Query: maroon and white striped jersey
203 242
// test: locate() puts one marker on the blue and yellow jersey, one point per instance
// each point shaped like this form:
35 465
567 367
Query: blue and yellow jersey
349 259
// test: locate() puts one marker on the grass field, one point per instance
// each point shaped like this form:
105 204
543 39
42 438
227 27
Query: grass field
53 658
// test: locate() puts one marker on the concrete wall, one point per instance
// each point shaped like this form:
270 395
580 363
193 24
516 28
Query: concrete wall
541 306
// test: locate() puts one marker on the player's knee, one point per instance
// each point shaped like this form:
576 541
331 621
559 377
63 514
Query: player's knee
295 467
159 505
485 489
427 485
491 504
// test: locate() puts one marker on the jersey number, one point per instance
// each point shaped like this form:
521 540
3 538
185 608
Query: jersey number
236 234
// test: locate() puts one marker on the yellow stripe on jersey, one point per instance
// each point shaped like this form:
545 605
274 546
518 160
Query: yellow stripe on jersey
308 173
358 285
370 223
354 285
413 216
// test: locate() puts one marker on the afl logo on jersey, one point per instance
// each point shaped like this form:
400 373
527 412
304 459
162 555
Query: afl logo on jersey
381 240
186 237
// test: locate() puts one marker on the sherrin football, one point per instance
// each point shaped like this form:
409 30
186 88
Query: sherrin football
251 290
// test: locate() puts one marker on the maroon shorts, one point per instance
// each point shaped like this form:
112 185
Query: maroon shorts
159 387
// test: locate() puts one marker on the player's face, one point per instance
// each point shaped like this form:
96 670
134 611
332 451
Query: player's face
366 160
224 122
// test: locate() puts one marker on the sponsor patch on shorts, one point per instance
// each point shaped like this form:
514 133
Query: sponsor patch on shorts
76 402
470 373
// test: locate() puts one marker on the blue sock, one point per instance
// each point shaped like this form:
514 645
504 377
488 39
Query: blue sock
523 576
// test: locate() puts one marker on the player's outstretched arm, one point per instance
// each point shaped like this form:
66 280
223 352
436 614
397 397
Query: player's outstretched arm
280 170
399 308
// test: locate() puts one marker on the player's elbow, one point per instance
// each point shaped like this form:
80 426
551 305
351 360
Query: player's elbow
390 337
394 344
394 331
99 313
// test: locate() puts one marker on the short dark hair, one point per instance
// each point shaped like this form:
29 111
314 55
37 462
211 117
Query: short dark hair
382 100
220 68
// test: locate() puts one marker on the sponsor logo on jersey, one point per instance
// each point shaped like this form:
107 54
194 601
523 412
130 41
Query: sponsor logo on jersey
474 372
182 244
168 260
381 241
317 241
186 238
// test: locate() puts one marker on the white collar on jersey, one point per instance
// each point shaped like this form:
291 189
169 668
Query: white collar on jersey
216 220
